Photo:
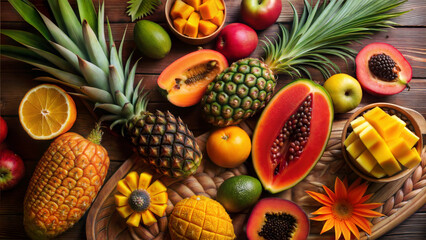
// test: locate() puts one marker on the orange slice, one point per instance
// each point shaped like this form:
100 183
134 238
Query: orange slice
46 111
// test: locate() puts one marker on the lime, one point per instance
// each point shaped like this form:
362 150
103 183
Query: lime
239 192
151 39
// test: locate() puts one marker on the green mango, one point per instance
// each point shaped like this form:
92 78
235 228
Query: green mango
151 39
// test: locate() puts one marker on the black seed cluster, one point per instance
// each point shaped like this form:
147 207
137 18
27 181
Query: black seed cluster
278 226
383 66
139 200
289 144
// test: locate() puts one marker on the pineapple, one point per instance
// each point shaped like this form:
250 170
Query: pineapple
75 52
248 84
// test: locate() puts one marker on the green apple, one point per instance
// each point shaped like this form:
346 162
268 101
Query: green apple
345 91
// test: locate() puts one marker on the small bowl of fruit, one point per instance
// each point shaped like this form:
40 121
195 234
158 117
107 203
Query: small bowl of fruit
382 142
195 21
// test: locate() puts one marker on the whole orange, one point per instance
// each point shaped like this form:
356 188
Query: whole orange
228 147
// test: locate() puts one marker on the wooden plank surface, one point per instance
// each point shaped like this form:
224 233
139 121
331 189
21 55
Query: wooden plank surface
15 81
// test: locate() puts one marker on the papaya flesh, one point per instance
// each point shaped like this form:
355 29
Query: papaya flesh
276 218
185 80
291 134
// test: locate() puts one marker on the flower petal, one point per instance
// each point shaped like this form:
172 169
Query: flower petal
319 197
354 184
340 189
351 226
365 198
368 205
329 193
355 194
329 224
323 210
366 213
322 217
345 230
337 229
362 223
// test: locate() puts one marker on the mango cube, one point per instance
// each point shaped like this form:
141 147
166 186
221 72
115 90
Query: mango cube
409 137
181 10
208 9
350 139
218 19
361 128
410 159
355 148
366 161
194 3
369 137
357 121
191 27
384 157
398 147
200 35
374 115
179 24
220 5
378 171
207 27
390 128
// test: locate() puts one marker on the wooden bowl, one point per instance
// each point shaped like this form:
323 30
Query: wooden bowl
191 40
411 124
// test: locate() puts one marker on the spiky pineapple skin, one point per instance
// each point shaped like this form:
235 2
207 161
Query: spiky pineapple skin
238 92
165 142
64 184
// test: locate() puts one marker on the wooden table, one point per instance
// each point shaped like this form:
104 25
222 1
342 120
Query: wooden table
16 80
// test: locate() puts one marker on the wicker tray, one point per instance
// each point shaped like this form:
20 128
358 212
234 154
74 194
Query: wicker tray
401 198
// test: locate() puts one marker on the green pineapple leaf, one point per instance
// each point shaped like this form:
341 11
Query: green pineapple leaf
54 6
87 12
141 8
28 38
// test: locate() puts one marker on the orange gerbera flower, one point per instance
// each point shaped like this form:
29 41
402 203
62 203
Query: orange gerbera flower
345 209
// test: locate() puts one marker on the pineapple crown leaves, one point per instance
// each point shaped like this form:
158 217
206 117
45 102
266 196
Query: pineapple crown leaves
325 29
141 8
74 51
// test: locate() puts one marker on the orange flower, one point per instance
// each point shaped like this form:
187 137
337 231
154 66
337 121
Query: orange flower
344 209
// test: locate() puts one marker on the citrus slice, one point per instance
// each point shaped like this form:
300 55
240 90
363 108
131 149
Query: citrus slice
46 111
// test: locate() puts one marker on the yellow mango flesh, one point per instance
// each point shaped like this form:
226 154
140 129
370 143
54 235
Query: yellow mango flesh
398 147
218 19
158 209
366 161
191 27
160 198
208 9
374 115
390 128
179 24
134 220
357 121
378 172
144 180
369 137
355 148
148 218
200 35
384 157
409 137
410 159
350 139
207 27
361 128
194 3
120 200
220 5
156 187
181 10
132 180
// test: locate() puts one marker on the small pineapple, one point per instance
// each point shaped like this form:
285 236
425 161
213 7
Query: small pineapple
238 92
99 74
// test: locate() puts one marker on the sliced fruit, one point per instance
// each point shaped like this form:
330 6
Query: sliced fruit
220 5
384 157
369 137
46 111
208 9
194 3
410 137
132 180
218 19
148 218
361 128
181 10
179 24
144 180
160 198
207 27
350 139
390 128
191 27
158 209
410 159
356 148
379 80
120 200
357 121
134 219
123 188
156 187
366 161
185 80
284 151
378 172
275 218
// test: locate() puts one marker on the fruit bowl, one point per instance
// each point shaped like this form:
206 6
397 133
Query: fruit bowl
187 39
392 109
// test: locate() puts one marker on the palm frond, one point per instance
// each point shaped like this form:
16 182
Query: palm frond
141 8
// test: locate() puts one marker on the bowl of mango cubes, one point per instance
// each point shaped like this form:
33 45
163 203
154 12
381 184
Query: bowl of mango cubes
195 21
382 142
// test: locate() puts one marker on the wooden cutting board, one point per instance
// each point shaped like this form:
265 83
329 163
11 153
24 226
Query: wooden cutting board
401 198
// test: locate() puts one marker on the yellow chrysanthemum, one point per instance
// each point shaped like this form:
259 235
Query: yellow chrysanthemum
139 200
344 209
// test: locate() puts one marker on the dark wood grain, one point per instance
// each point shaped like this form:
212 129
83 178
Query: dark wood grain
15 81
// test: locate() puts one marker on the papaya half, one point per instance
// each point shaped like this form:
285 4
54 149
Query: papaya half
291 134
185 80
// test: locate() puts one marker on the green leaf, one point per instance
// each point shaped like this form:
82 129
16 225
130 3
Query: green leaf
27 38
56 81
72 24
94 76
87 12
54 59
141 8
67 54
101 30
54 7
31 16
94 49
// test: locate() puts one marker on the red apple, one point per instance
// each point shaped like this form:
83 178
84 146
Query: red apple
260 14
236 41
11 169
3 129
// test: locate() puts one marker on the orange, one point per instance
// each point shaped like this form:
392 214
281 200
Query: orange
46 111
228 147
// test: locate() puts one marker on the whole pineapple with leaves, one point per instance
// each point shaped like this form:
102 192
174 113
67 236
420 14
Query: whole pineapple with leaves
323 29
75 52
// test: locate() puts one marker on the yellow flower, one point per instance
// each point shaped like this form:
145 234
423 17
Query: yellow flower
139 199
344 209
